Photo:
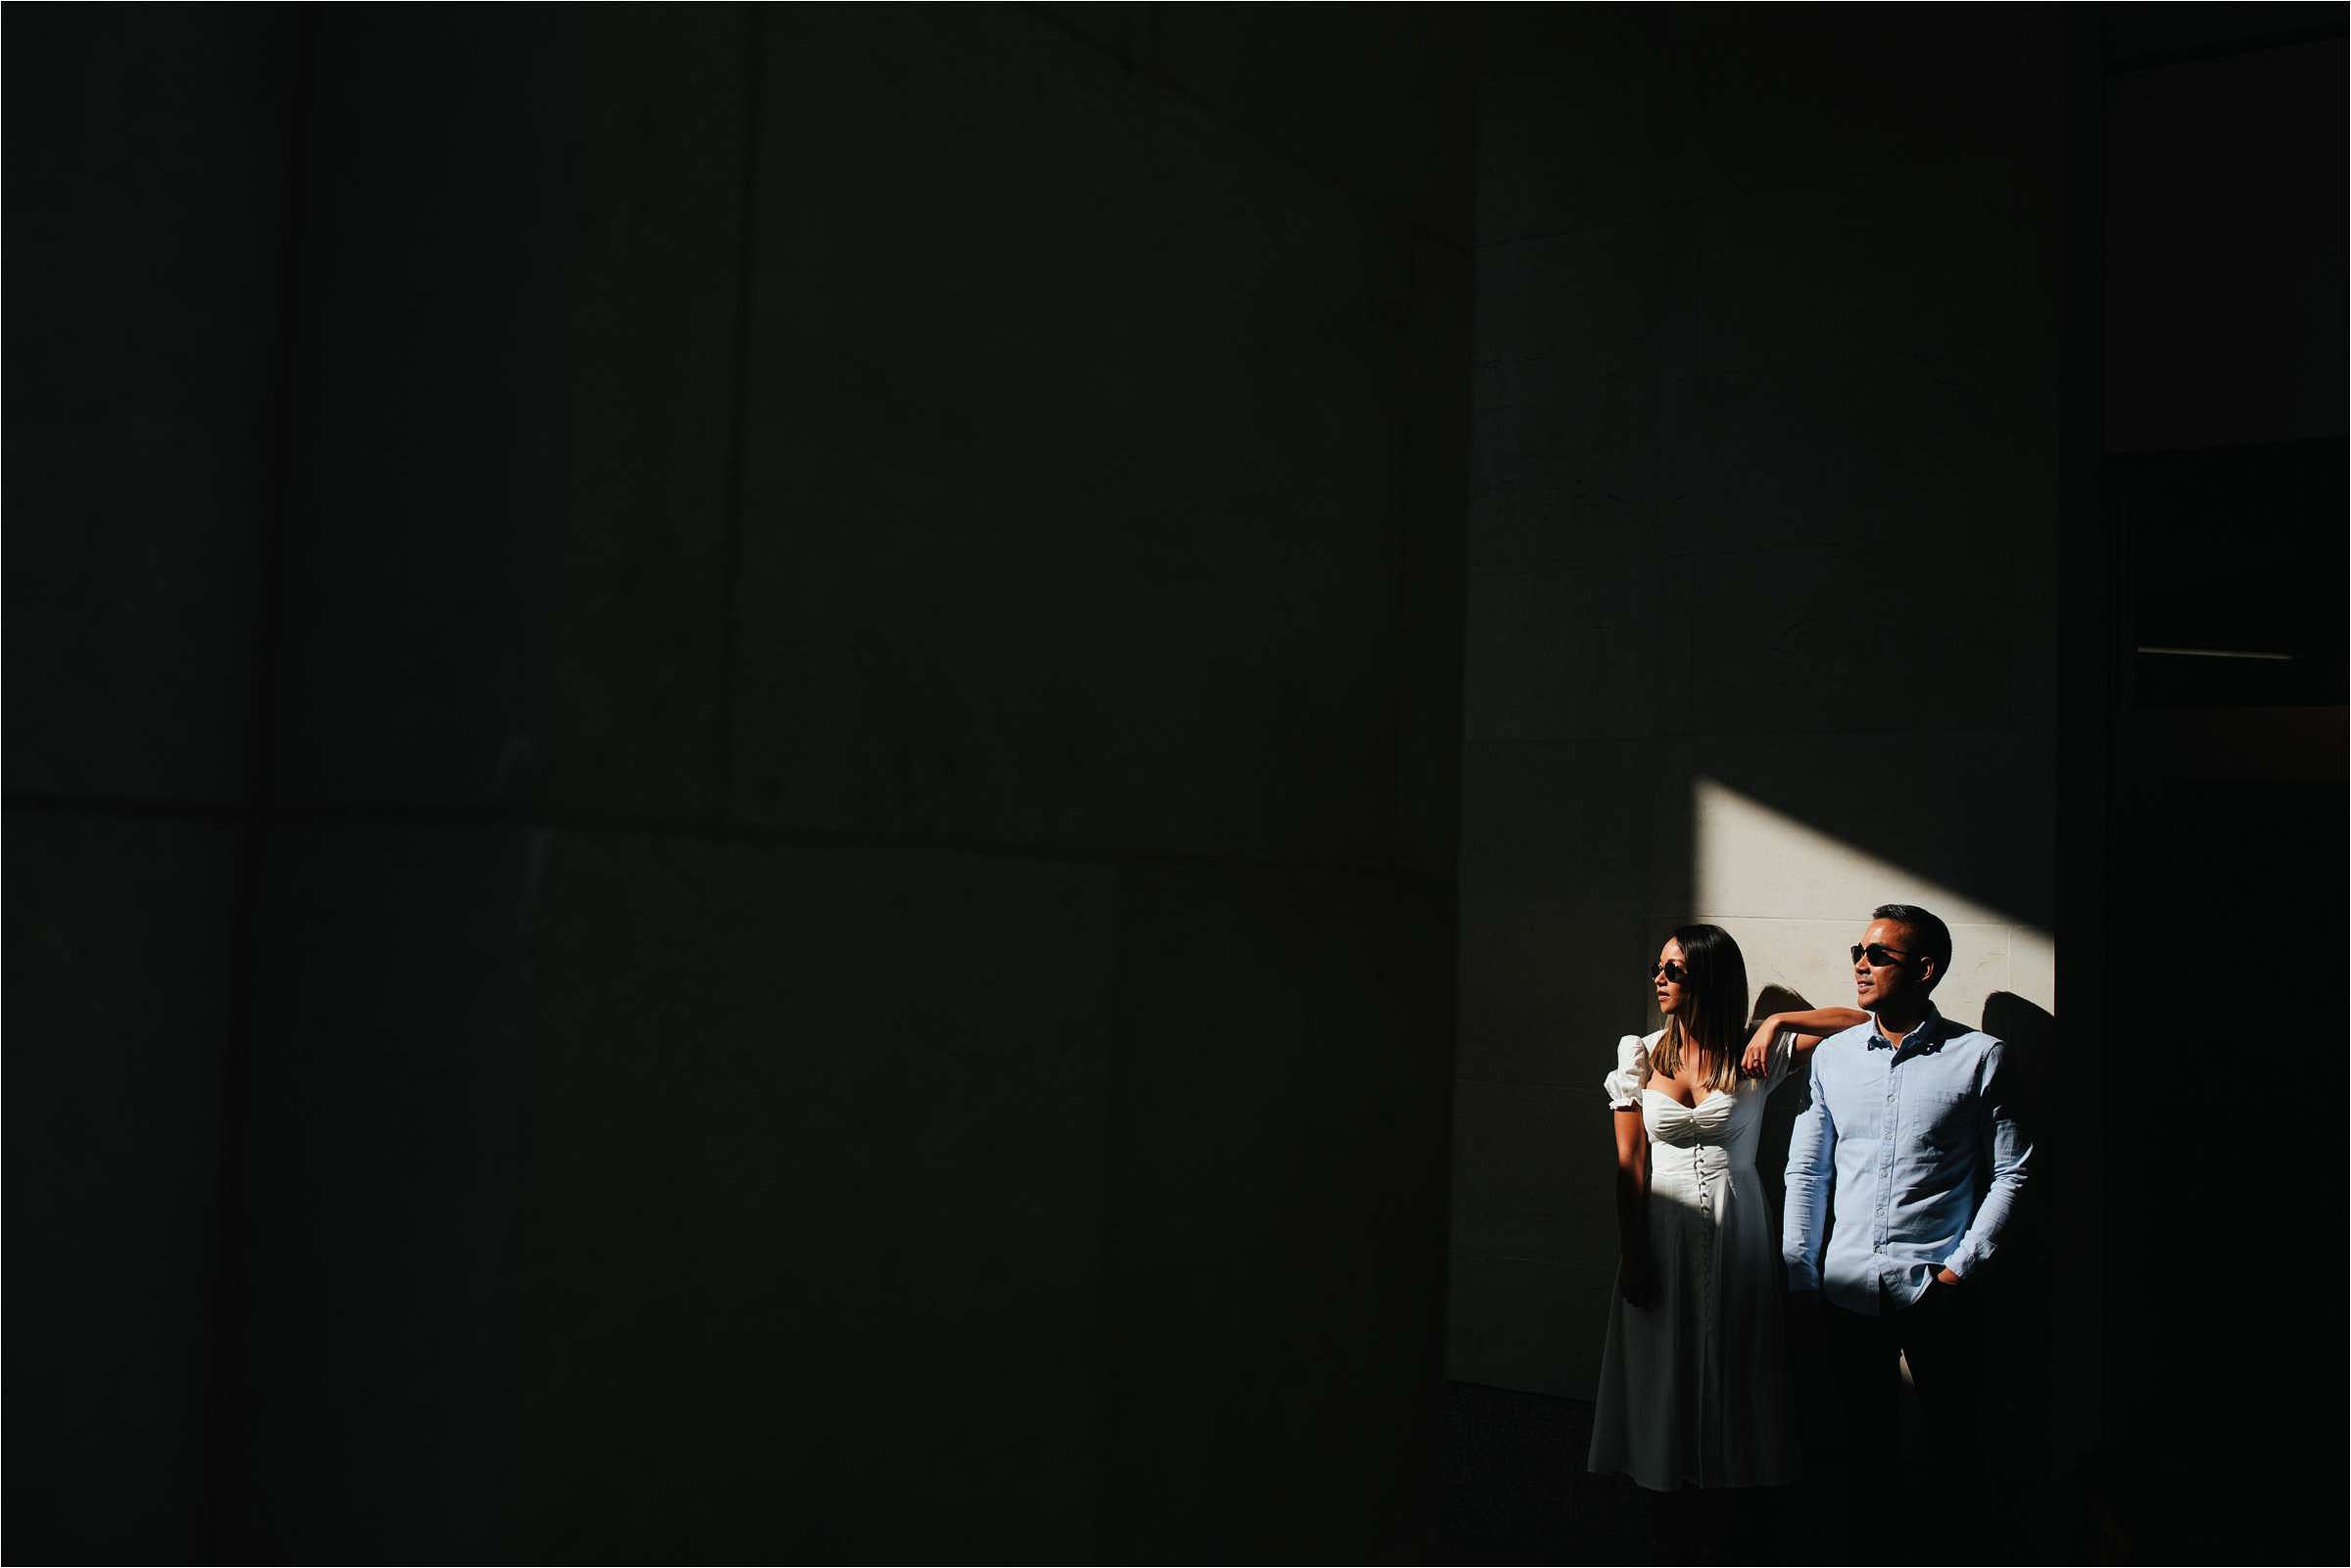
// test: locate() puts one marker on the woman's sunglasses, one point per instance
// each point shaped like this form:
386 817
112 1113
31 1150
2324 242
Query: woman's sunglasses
1671 968
1880 955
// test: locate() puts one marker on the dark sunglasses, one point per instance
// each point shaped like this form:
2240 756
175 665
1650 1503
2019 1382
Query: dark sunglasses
1671 968
1880 955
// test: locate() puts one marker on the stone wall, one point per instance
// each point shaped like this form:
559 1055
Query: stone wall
838 942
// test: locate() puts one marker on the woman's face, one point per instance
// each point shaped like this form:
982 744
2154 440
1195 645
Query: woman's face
1664 979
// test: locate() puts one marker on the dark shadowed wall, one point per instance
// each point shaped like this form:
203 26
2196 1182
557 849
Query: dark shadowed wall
146 199
2224 484
1910 465
731 749
1763 622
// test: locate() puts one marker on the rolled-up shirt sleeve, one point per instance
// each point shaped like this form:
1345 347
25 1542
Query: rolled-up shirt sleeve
2009 1150
1811 1165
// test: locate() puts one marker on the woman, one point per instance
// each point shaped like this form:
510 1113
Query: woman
1693 1383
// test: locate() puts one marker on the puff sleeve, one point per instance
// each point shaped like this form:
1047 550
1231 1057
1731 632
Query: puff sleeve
1632 1070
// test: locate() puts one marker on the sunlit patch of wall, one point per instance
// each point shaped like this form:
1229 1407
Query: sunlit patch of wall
1797 898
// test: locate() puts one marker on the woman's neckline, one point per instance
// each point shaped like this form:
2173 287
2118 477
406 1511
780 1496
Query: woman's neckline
1670 1100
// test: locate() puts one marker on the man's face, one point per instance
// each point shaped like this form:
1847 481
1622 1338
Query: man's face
1901 982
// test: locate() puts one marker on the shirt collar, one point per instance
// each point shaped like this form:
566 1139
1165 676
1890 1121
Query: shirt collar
1929 1031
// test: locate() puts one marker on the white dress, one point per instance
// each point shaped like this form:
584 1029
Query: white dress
1693 1389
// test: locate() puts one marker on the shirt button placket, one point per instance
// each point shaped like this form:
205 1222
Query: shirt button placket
1886 1164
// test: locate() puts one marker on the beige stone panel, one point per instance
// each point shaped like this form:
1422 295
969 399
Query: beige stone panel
1806 956
1545 990
1520 1323
1534 1170
1749 859
1978 968
2032 967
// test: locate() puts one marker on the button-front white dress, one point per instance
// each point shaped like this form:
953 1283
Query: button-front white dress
1693 1389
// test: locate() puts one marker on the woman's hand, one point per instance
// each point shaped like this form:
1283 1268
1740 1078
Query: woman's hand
1757 1059
1637 1280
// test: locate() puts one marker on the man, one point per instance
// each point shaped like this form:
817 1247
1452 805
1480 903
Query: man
1908 1111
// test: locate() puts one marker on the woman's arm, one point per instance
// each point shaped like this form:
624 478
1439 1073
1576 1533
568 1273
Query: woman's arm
1811 1026
1636 1277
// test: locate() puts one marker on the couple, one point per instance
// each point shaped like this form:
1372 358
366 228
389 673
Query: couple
1908 1111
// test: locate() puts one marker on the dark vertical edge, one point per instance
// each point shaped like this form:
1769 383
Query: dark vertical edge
1112 1531
746 296
1433 478
1405 524
2088 670
1427 1504
232 1411
1432 564
1449 648
1423 1474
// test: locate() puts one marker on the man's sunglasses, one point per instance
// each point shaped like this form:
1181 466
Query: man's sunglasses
1880 955
1671 968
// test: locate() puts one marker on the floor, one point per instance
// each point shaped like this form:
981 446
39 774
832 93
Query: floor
1516 1491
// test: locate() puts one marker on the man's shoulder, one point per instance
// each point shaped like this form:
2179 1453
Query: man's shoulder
1959 1039
1837 1057
1970 1054
1845 1041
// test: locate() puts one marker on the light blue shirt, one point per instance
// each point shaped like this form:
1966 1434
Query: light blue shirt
1905 1135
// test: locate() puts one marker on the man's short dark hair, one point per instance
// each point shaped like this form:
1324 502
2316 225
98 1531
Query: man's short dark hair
1934 936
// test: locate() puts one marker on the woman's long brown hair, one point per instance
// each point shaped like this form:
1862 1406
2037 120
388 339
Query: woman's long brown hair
1713 1015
